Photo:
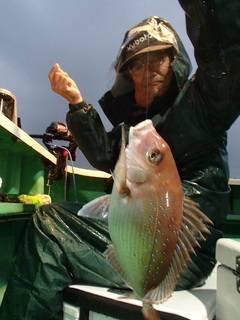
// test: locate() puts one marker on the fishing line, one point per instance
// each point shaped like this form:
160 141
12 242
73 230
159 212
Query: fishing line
147 67
73 175
65 186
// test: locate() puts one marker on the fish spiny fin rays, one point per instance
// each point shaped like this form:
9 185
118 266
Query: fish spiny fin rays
96 209
194 224
120 171
112 259
193 212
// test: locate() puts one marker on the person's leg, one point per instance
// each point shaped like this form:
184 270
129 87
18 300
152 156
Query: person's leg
58 249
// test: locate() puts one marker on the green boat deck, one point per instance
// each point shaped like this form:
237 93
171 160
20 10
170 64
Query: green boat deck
24 170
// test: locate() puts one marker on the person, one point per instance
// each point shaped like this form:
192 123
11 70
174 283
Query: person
191 114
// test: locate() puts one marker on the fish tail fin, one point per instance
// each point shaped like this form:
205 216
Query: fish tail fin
149 313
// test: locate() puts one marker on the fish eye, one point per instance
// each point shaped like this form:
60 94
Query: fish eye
154 156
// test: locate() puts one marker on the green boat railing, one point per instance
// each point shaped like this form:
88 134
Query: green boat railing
24 169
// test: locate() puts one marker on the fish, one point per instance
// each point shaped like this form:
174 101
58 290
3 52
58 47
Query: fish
153 227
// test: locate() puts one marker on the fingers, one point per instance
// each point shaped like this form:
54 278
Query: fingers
52 71
59 79
64 85
57 74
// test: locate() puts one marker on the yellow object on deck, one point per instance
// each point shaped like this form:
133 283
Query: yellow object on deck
38 199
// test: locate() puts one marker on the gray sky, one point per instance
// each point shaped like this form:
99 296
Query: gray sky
84 37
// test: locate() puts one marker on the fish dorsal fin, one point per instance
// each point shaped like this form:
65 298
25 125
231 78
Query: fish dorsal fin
112 259
120 171
194 224
96 209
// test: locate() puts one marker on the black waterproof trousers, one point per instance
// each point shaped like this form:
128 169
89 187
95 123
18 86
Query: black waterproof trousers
59 248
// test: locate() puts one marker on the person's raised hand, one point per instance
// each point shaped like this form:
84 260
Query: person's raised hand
64 85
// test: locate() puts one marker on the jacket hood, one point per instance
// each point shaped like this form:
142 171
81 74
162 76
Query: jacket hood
151 34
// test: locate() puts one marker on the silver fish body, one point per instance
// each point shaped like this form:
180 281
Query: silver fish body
146 216
153 227
144 222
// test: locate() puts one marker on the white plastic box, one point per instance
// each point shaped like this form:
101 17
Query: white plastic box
70 312
104 304
228 280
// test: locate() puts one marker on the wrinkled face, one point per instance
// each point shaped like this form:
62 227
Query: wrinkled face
151 72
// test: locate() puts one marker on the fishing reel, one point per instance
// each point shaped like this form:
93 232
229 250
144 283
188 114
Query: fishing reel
58 131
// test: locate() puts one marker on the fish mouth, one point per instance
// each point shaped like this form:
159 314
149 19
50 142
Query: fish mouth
140 130
140 126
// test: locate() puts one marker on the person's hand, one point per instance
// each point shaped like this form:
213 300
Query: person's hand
64 85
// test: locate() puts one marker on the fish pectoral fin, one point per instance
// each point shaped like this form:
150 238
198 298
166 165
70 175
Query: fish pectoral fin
112 259
96 209
119 178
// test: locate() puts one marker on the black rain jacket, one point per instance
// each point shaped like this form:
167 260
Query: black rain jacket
193 117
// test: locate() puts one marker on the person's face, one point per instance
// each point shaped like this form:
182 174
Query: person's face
151 73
